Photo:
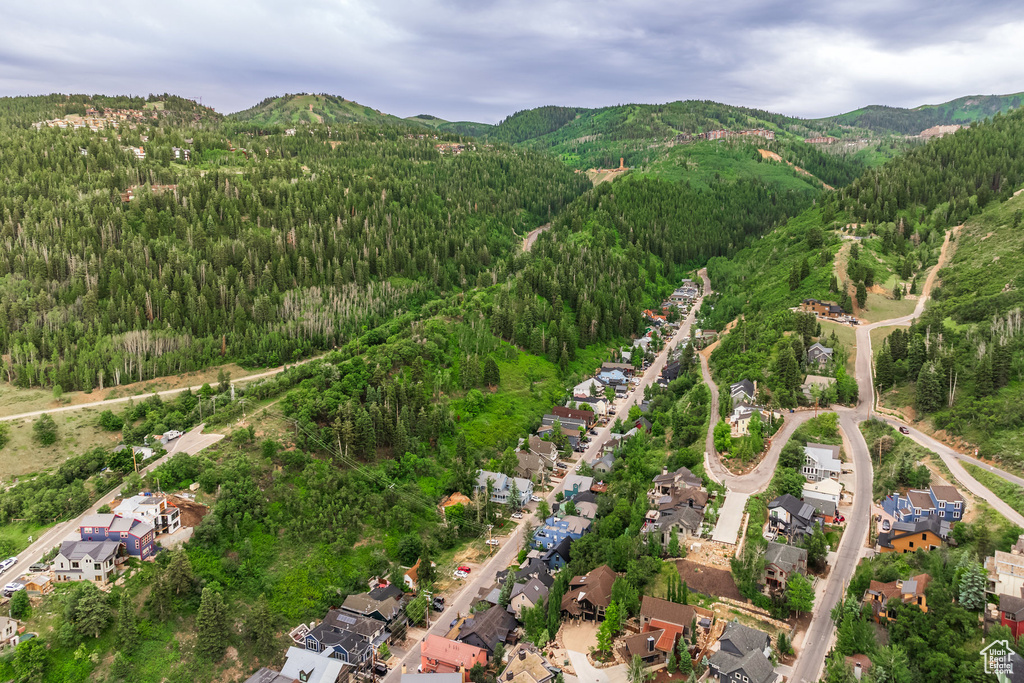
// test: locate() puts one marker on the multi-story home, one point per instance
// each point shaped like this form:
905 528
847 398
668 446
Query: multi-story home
744 390
501 490
440 655
909 592
818 354
556 530
86 561
791 517
135 535
589 595
165 518
1006 570
825 309
781 562
944 502
1011 614
488 628
670 621
907 537
821 461
824 495
742 656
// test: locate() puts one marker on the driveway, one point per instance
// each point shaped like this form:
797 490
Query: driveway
585 671
730 517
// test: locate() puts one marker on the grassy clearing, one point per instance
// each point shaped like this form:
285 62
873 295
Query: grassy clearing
1009 493
17 534
880 307
77 432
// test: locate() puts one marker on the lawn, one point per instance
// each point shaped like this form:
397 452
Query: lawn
77 433
1009 493
880 307
17 534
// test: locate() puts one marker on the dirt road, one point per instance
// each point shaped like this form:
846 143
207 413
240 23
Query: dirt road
532 237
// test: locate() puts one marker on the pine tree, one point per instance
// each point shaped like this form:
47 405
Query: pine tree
19 605
862 294
794 278
91 612
799 594
505 594
259 627
972 588
211 625
127 628
492 376
685 663
179 573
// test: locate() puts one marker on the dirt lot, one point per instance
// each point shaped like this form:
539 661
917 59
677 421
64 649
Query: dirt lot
192 513
711 554
708 580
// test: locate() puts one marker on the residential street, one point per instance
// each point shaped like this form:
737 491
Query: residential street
463 600
192 441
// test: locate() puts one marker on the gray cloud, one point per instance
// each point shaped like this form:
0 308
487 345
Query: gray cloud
484 59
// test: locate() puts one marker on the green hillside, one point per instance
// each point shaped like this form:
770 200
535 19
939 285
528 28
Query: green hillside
309 108
22 112
882 119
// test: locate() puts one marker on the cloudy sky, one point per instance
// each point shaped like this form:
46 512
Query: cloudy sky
483 59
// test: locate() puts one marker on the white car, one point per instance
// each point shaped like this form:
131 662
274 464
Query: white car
535 499
517 515
7 564
460 574
493 541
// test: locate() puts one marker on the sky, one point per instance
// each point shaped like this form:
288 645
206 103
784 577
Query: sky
481 60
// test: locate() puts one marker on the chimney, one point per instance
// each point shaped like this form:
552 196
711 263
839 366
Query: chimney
664 469
522 654
650 643
622 162
857 670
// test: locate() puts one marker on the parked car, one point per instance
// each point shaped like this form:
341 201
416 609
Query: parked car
12 588
7 564
464 569
562 466
904 430
438 604
517 515
535 499
39 567
493 541
380 668
459 574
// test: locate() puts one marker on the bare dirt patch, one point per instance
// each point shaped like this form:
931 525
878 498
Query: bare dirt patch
192 513
708 580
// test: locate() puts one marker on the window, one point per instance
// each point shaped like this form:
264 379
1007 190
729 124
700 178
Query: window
74 565
124 534
924 537
911 544
942 503
97 566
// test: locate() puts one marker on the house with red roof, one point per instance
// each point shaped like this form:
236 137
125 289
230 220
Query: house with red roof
440 655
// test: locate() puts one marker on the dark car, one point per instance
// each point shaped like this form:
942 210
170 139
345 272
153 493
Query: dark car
904 430
380 668
39 567
438 604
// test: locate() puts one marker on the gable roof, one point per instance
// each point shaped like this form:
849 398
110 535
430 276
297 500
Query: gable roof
824 455
533 590
947 493
385 592
98 551
637 644
1011 604
594 587
788 558
913 587
266 675
490 627
753 664
562 550
311 667
820 348
669 612
904 529
744 386
743 638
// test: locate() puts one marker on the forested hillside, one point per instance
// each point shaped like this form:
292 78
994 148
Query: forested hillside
261 248
882 119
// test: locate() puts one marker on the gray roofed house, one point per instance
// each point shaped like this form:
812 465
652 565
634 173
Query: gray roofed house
266 675
486 629
525 595
817 353
502 487
78 561
791 516
532 466
781 562
605 463
742 388
742 655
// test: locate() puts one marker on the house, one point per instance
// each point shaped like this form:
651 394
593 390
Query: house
527 595
575 424
744 390
557 556
587 416
741 417
134 535
669 621
824 309
684 522
665 482
617 441
625 368
613 378
86 561
556 530
526 665
907 537
532 466
538 446
782 561
1005 572
8 633
671 371
486 629
604 464
815 382
347 637
440 655
156 510
574 484
502 487
589 595
599 405
821 461
309 667
791 517
532 568
824 495
411 578
644 646
1011 613
387 609
587 388
742 655
818 354
909 592
944 502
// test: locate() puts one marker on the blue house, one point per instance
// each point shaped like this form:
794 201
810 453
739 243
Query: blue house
348 637
556 530
944 502
558 556
135 535
612 377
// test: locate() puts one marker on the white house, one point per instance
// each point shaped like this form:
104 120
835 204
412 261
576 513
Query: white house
86 560
583 389
502 487
821 461
823 495
166 519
